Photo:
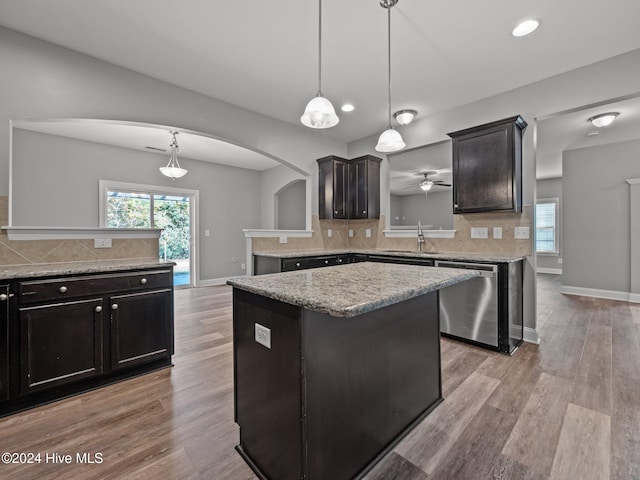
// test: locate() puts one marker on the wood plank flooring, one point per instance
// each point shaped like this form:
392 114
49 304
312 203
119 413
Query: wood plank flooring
567 409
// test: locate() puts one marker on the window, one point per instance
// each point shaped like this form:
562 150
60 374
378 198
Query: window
547 225
125 205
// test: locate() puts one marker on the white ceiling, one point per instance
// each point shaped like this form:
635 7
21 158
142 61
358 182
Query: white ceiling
263 56
191 145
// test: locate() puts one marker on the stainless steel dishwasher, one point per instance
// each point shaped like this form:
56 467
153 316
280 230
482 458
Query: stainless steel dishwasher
469 310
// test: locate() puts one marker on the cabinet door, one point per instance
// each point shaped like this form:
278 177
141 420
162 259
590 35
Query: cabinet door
487 167
60 343
4 342
340 189
141 328
359 189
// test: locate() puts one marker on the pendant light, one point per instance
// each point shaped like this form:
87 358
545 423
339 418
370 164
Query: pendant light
319 112
173 170
390 140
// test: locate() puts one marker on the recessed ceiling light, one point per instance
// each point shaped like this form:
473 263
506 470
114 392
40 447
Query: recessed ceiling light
347 107
525 28
604 119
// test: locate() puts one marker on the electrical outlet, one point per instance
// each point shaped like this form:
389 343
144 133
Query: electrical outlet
243 266
497 232
521 233
351 232
560 260
329 233
207 233
102 243
367 233
283 239
263 335
479 232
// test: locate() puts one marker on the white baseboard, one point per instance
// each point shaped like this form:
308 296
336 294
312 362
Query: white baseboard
552 271
530 335
212 282
634 297
597 293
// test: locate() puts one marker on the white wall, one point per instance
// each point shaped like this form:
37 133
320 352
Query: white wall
291 202
42 80
56 183
596 215
551 188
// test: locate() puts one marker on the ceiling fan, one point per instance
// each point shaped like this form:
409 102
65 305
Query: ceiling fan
426 183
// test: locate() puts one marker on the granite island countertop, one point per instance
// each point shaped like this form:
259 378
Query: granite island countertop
471 257
353 289
10 272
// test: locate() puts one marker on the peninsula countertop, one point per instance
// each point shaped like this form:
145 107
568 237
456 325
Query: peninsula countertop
353 289
460 256
10 272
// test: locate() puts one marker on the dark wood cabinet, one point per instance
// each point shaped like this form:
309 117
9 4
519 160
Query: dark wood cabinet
60 343
63 335
141 327
487 167
5 302
349 189
266 264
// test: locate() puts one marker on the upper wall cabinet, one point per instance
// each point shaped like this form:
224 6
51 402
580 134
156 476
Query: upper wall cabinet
487 167
349 189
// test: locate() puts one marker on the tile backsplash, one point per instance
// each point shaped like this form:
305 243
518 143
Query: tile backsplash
461 243
24 252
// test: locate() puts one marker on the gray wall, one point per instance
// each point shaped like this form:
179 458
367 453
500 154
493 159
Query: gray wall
56 183
551 188
42 80
291 201
435 210
596 244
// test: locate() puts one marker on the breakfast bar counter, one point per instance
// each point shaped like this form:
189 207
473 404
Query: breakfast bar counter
333 366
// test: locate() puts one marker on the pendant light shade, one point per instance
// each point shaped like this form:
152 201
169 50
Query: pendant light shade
390 140
319 112
173 170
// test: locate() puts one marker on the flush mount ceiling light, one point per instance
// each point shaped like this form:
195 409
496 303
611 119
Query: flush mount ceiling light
405 117
604 119
173 170
390 140
319 112
525 28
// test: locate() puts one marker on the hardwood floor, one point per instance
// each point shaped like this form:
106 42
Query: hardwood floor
567 409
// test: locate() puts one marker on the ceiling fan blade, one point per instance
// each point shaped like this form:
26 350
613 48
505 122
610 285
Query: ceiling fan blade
411 186
441 183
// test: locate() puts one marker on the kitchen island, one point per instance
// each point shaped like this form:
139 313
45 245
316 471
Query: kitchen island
334 366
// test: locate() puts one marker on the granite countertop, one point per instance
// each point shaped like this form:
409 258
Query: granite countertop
10 272
354 289
473 257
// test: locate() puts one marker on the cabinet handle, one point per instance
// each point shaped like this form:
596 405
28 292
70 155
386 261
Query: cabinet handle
114 306
298 264
143 281
336 212
364 211
326 262
98 309
62 289
3 297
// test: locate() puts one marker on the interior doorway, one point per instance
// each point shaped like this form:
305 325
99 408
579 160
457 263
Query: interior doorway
173 210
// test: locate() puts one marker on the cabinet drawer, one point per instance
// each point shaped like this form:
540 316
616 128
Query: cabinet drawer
309 262
70 287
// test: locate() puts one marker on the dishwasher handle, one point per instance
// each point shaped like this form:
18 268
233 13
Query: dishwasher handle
488 271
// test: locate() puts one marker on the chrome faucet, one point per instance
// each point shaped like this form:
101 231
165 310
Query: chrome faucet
420 237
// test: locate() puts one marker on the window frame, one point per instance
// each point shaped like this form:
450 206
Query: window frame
556 228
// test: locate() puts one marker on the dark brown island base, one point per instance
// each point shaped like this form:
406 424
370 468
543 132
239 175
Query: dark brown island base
334 366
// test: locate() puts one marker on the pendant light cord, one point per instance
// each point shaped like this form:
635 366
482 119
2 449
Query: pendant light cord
389 59
319 47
